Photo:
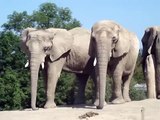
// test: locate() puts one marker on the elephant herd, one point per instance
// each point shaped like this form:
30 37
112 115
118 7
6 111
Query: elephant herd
108 48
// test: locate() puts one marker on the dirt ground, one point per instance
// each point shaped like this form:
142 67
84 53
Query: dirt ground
148 109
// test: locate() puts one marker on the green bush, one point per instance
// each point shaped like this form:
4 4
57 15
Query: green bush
137 94
65 89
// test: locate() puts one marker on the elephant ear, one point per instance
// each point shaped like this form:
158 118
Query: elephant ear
25 32
157 47
92 46
144 40
123 43
61 43
24 38
151 39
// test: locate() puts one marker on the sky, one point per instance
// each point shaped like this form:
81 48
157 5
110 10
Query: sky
135 15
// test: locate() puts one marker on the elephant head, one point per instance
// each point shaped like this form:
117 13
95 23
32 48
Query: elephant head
108 40
41 43
147 42
151 46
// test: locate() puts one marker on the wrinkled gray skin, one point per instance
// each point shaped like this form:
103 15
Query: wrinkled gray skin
151 46
60 50
116 52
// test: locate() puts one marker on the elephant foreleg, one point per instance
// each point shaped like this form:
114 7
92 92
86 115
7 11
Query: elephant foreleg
126 84
54 71
117 89
96 90
158 81
80 91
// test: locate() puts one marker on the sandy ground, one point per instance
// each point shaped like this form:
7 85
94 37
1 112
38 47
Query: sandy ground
148 109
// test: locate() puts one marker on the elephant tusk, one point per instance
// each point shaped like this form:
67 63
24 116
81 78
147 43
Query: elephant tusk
110 55
27 64
42 64
95 62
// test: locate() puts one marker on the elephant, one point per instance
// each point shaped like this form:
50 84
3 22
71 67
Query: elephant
151 60
59 50
116 51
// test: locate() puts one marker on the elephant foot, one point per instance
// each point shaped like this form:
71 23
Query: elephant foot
96 103
127 99
35 108
118 101
50 105
158 96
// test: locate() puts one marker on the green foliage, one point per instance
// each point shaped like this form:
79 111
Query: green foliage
138 74
18 21
138 78
109 84
65 89
12 92
48 15
90 92
136 94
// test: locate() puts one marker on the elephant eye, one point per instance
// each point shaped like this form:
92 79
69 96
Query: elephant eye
114 39
46 49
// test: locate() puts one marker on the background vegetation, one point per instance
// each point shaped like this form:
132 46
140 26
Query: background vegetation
15 79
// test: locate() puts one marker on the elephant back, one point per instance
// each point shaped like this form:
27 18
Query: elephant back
81 37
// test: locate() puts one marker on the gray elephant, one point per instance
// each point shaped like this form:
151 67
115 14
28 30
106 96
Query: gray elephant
116 51
151 60
60 50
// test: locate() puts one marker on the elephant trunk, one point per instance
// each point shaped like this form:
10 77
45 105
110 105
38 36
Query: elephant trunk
102 63
34 67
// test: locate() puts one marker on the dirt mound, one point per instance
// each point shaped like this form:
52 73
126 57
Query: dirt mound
148 109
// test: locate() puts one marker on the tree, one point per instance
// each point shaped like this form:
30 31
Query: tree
48 15
11 69
18 21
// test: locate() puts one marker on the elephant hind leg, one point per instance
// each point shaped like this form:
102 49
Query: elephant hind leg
80 90
54 71
126 84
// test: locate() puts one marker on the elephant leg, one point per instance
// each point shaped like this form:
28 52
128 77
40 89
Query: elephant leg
96 90
54 71
117 89
157 61
158 81
45 71
150 76
80 91
126 84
